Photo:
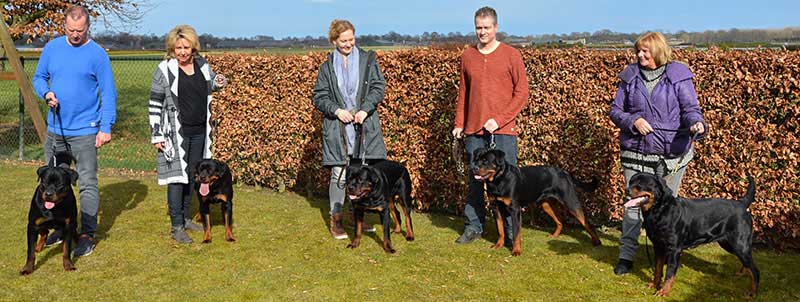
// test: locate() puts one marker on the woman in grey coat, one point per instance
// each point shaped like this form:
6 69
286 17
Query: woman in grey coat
180 122
349 87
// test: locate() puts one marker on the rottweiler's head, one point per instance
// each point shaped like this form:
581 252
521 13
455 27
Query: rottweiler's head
488 163
362 181
645 190
54 184
207 172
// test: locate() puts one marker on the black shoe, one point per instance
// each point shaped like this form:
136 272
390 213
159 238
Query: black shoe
468 236
85 246
53 239
190 225
623 267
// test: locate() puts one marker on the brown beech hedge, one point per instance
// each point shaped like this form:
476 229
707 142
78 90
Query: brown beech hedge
269 132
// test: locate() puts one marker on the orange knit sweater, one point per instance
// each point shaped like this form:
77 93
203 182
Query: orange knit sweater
493 85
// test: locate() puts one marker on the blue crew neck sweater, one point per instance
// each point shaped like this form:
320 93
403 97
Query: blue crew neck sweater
82 81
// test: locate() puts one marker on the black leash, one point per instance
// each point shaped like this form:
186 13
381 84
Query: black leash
347 160
57 114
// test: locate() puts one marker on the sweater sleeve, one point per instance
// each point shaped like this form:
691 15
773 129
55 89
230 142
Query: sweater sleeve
108 92
520 94
158 93
42 75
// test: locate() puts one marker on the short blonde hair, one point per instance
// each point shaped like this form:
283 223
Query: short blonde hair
657 44
338 27
181 32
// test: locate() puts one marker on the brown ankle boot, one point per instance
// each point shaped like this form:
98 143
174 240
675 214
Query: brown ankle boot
337 231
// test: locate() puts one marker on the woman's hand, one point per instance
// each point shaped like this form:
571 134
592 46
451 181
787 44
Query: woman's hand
698 128
344 116
221 80
159 146
360 117
643 126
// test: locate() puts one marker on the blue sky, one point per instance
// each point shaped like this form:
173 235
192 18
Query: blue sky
298 18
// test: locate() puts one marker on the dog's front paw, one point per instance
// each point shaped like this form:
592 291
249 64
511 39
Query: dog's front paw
516 252
410 238
498 245
387 247
68 266
652 285
353 244
207 240
662 292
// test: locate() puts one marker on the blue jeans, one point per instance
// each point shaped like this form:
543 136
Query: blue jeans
475 209
179 196
85 154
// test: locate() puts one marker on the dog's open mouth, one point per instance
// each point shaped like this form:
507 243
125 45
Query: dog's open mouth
639 200
484 175
204 189
49 205
360 194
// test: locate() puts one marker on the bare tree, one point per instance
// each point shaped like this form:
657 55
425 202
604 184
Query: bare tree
35 18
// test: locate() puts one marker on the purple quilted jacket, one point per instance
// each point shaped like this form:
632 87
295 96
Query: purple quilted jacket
671 110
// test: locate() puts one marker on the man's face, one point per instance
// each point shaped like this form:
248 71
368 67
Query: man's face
77 31
485 29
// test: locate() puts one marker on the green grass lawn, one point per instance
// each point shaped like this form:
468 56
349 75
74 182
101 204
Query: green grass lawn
284 253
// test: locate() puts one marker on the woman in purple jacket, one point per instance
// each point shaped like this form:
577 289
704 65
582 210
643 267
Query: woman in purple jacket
658 116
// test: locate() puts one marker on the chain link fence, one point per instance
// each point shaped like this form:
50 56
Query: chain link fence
130 143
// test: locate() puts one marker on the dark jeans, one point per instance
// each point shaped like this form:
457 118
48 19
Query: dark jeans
475 209
179 196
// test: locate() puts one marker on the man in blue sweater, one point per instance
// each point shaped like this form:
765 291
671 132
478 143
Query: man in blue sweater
74 77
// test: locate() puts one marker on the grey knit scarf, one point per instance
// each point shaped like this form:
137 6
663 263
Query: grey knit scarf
651 77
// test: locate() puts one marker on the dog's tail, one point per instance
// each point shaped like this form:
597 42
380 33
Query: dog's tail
751 192
587 187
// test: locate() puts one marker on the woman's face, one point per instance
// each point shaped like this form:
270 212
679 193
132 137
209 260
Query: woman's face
183 51
645 57
345 42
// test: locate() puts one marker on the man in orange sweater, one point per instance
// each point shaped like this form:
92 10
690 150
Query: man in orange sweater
493 90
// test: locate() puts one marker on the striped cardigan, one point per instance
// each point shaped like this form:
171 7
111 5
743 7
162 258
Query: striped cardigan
165 126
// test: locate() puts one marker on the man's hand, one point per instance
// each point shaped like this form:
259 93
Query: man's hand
491 125
101 139
344 116
360 117
458 132
159 146
698 128
643 126
51 99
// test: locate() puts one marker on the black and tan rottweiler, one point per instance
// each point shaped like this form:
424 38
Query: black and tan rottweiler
512 187
214 184
377 188
53 206
674 224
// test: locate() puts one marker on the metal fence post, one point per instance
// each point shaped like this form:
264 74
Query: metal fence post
21 129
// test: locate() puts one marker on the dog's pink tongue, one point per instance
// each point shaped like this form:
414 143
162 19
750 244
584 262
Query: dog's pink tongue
49 205
478 177
204 189
353 197
634 202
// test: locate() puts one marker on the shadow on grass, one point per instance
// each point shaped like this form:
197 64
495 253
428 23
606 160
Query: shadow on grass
115 199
